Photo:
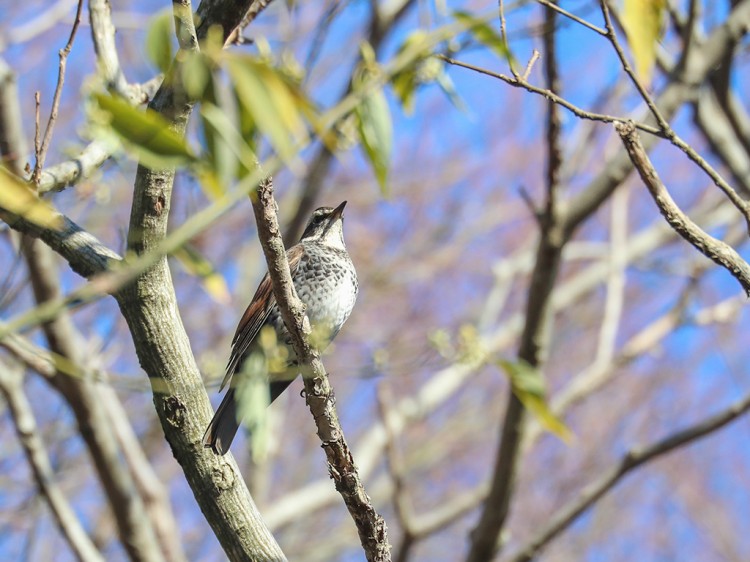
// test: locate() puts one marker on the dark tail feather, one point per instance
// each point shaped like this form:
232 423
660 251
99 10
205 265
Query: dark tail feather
223 426
275 388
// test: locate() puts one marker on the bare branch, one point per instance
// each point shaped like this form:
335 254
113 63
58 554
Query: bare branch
318 392
715 250
135 528
574 109
154 494
64 52
573 17
485 538
103 36
612 36
184 25
679 89
162 345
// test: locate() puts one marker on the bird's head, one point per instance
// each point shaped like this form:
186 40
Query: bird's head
326 225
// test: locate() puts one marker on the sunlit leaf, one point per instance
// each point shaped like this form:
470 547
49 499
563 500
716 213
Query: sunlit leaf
270 101
20 199
159 40
221 154
252 402
405 82
528 385
487 36
145 132
376 132
240 157
197 77
196 264
642 20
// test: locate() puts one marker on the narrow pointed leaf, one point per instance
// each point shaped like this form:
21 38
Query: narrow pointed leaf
159 40
528 385
376 133
269 103
642 20
145 132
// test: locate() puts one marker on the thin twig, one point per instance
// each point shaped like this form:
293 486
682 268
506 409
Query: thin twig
669 133
64 52
318 393
573 17
577 111
716 250
663 124
504 38
630 461
530 65
37 126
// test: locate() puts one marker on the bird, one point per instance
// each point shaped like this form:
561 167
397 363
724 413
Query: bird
326 282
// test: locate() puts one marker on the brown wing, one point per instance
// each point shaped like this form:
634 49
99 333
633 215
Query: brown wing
256 314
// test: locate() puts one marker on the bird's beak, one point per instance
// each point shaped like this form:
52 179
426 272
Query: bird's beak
338 212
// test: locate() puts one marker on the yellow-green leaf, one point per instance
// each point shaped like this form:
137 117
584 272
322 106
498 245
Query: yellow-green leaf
146 132
406 81
528 385
240 158
159 40
197 78
642 20
487 36
20 199
252 402
221 155
376 133
270 101
196 264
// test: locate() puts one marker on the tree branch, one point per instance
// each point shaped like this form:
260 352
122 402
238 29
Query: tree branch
41 152
318 392
135 528
485 538
715 250
150 309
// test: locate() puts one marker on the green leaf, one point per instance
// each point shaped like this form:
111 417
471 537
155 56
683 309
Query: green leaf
221 157
642 20
197 265
197 78
252 402
21 200
145 132
376 133
528 385
271 101
487 36
240 158
405 82
159 40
